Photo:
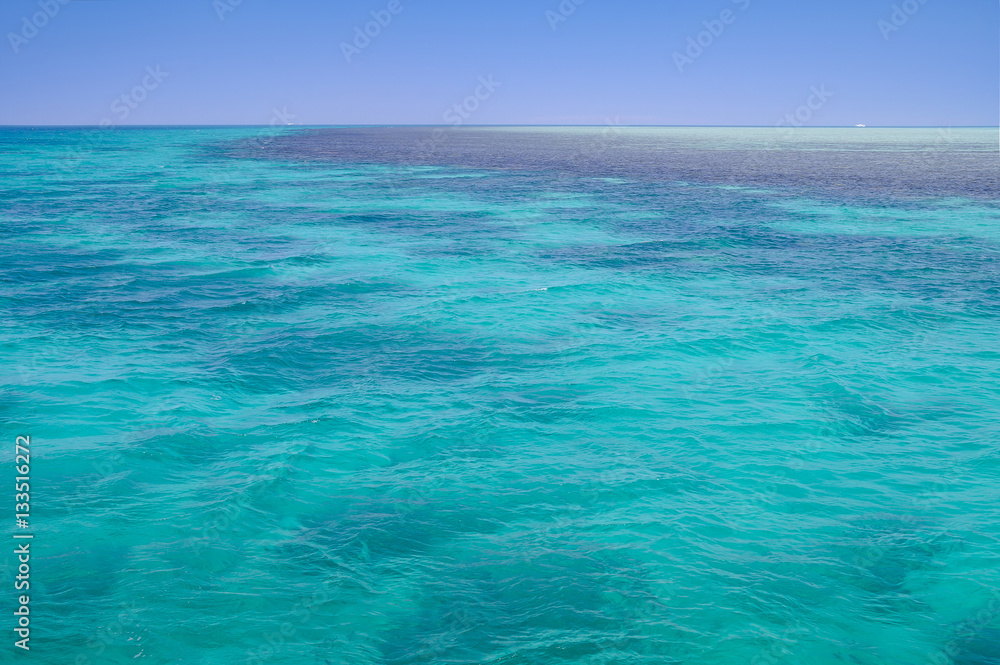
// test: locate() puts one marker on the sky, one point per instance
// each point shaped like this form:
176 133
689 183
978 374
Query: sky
374 62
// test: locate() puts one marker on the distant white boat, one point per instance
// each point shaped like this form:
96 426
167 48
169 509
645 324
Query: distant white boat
860 125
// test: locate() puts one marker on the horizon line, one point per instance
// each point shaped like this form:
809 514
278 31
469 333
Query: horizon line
449 126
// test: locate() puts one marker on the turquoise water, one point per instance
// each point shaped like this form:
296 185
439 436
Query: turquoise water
291 402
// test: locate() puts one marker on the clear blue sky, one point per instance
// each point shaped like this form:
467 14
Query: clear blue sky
608 60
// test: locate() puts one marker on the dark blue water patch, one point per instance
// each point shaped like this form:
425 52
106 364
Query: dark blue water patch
839 170
299 357
881 552
532 402
616 493
106 290
966 275
87 576
561 593
672 256
451 225
391 525
854 413
157 213
243 311
636 320
52 267
978 644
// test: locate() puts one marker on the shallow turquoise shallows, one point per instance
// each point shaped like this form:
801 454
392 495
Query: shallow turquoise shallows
504 396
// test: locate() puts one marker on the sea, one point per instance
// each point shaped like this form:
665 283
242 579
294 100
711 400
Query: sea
503 395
